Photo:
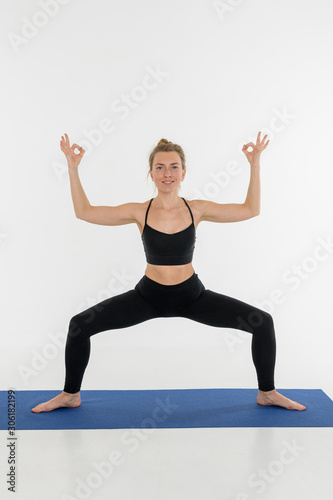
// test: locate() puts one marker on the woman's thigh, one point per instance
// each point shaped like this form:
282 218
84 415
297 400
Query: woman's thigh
217 309
120 311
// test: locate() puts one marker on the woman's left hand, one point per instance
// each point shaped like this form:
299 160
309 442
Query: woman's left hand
254 155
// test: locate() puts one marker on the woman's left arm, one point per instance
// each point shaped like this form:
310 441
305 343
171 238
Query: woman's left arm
252 201
234 212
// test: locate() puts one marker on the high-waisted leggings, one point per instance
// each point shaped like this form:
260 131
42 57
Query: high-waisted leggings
188 299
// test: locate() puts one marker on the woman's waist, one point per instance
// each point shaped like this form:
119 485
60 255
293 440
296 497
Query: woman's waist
169 275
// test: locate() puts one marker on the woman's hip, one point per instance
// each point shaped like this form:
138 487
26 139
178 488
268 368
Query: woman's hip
170 299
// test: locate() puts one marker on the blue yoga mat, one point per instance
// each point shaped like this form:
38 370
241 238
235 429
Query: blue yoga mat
180 408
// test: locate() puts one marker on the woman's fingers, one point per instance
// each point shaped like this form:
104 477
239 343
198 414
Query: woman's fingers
263 145
263 140
63 140
64 147
68 150
77 147
258 144
254 154
246 146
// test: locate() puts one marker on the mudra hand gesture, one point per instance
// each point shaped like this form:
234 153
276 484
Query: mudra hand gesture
254 155
73 159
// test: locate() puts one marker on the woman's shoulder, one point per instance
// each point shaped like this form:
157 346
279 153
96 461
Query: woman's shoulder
139 208
140 205
196 205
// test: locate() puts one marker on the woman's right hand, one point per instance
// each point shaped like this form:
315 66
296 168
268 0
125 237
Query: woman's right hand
73 159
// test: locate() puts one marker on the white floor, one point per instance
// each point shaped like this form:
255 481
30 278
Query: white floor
173 464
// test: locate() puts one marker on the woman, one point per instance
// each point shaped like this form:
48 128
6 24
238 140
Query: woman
170 287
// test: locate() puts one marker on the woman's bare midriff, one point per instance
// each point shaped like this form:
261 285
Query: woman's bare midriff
169 275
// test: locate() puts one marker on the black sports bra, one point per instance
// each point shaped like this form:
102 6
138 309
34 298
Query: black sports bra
165 249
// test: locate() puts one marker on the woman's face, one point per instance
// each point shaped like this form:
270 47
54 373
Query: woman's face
167 172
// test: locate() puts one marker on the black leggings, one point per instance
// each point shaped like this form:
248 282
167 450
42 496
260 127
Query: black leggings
188 299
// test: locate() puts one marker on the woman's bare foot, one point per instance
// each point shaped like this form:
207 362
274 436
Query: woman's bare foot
63 400
275 399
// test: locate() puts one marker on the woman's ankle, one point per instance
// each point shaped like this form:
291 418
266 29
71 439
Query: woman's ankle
71 394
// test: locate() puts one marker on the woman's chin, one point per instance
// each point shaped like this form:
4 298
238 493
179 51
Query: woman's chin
169 187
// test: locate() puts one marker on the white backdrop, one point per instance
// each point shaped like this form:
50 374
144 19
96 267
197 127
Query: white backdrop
117 77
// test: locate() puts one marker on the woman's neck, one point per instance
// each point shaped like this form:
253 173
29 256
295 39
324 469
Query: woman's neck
168 200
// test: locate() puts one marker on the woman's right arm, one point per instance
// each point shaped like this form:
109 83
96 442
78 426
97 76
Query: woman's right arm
80 200
108 216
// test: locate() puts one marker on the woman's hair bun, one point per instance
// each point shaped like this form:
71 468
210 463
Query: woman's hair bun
163 141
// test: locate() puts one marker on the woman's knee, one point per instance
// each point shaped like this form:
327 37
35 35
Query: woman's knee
266 321
77 327
265 318
257 319
87 322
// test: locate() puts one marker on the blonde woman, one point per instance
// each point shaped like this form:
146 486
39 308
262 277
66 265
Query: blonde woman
170 286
